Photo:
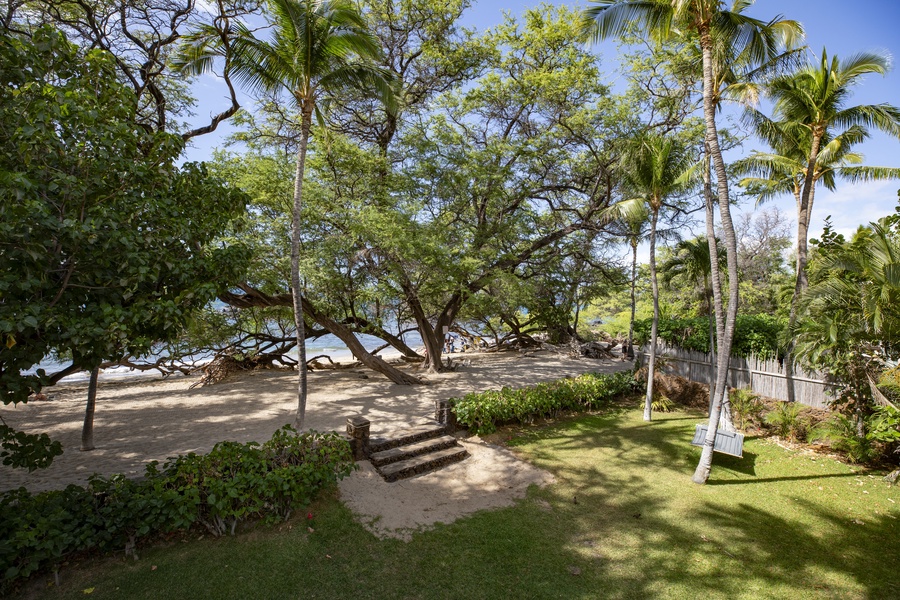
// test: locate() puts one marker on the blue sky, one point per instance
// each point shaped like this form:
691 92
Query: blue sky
843 27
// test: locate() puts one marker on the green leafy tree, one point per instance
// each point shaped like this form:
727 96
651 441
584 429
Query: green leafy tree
850 319
489 181
657 169
691 263
315 45
142 37
726 38
107 247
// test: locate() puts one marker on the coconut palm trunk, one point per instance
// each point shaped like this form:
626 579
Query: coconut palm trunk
654 328
727 320
716 314
630 347
296 290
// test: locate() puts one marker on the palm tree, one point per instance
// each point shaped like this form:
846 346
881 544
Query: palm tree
691 262
634 226
315 47
783 171
655 168
724 36
809 105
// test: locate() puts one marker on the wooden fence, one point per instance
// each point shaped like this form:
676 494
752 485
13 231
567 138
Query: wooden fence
765 377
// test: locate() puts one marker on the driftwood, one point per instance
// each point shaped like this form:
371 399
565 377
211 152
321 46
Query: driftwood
596 350
224 366
253 297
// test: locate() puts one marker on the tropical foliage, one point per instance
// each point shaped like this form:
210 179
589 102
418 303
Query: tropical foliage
483 411
232 484
404 175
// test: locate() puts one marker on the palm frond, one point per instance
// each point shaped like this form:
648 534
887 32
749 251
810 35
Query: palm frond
604 19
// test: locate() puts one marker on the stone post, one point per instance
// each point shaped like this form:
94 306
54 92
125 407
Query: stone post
358 432
443 414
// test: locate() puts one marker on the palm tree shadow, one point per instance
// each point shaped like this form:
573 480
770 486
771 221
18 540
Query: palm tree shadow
745 465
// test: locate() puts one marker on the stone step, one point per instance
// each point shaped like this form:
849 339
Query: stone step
423 463
392 455
408 436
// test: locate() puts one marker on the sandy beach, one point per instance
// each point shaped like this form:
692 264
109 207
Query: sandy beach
140 421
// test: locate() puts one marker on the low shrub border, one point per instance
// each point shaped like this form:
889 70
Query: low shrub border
482 412
233 483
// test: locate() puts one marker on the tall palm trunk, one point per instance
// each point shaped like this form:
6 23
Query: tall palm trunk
701 474
716 311
654 287
801 281
305 126
634 249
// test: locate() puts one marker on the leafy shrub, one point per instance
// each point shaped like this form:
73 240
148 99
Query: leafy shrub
662 403
786 418
840 431
753 334
745 406
481 412
233 483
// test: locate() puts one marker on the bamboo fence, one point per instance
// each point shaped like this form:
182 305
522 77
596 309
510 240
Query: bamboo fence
766 377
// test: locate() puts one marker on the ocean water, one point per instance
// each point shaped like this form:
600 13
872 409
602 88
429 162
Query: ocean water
328 345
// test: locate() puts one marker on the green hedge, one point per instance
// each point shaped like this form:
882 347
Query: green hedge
481 412
233 483
753 334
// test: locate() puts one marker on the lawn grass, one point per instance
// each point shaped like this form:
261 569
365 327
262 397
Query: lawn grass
622 521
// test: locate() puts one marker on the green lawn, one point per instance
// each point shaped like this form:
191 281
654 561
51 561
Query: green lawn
623 521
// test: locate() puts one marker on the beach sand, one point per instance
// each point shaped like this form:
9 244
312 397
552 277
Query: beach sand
140 421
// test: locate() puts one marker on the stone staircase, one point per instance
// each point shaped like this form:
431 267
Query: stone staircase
420 449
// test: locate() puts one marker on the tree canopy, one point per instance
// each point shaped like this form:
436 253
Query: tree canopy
107 246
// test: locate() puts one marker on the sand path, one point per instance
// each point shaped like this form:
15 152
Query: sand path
137 422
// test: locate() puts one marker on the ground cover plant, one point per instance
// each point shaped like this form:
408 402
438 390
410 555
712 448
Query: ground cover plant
233 483
622 521
481 412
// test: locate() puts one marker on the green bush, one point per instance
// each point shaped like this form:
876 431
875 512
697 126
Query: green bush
745 406
481 412
840 431
233 483
753 334
786 418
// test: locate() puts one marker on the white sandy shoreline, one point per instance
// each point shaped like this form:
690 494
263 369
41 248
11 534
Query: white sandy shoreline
140 421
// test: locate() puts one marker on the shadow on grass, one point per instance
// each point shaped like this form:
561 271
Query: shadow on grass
657 534
622 521
761 480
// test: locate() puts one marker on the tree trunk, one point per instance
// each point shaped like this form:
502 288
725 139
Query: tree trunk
651 362
630 348
801 281
376 363
716 307
356 324
803 218
701 474
432 337
253 297
296 292
87 430
716 312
